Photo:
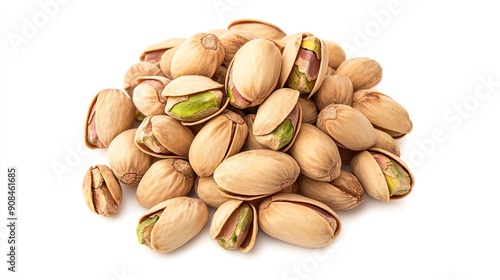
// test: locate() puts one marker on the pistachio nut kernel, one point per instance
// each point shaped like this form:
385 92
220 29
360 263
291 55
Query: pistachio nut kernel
397 178
283 134
101 190
235 230
145 227
307 64
194 107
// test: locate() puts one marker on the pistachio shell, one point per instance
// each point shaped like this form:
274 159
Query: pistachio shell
251 143
274 110
336 89
166 62
386 142
101 190
309 110
259 28
154 52
364 72
147 95
136 70
336 55
232 41
207 190
189 84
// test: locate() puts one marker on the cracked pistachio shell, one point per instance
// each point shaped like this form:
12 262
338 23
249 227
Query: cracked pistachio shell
363 72
386 142
101 190
232 41
255 174
147 95
348 127
201 54
259 28
383 112
128 163
180 220
253 73
220 138
110 113
224 221
153 53
207 190
136 70
165 179
163 137
277 108
188 85
336 89
309 110
316 154
299 220
343 193
336 55
370 175
290 55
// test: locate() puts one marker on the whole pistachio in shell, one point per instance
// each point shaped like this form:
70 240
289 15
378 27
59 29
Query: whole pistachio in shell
172 223
383 175
102 191
259 28
207 190
232 41
255 174
386 142
278 119
194 99
305 62
128 163
220 138
235 225
147 95
348 127
309 110
165 179
336 55
383 112
201 54
363 72
163 137
253 73
335 89
166 62
110 113
316 153
343 193
299 220
136 70
153 53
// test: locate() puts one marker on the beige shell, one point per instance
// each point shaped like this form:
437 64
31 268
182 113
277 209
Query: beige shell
222 215
383 112
111 184
220 138
347 126
181 220
112 112
136 70
201 54
336 55
386 142
166 62
299 220
207 190
336 89
255 71
256 173
343 193
170 133
128 163
259 28
165 179
251 143
370 175
316 154
290 55
364 72
309 110
154 52
232 41
147 95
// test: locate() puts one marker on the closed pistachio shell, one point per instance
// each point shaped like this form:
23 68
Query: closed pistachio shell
154 52
207 190
136 70
363 72
232 41
147 95
336 89
101 190
166 62
336 55
259 28
386 142
309 110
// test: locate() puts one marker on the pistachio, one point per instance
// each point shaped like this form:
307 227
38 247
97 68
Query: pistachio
259 28
386 142
208 191
147 95
309 110
136 70
101 190
398 180
363 72
166 62
232 41
251 143
153 53
335 89
336 55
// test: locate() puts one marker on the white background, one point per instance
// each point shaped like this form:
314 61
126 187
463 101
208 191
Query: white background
434 57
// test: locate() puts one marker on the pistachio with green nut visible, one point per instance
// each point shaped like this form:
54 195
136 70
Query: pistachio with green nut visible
102 191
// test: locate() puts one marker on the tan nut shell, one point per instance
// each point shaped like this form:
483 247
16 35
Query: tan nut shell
223 213
165 179
181 220
316 153
256 173
114 113
259 28
336 89
220 138
136 70
365 168
111 183
166 62
159 48
364 72
207 190
232 41
347 126
336 55
309 110
146 97
386 142
251 143
287 217
128 163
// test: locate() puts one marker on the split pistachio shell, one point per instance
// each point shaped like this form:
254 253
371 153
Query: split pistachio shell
253 73
278 120
348 127
201 54
299 220
309 110
153 53
102 191
172 223
220 138
147 95
110 113
136 70
165 179
163 137
235 225
343 193
364 72
386 142
129 164
336 55
335 89
259 28
316 154
232 41
376 182
383 112
207 190
251 143
255 174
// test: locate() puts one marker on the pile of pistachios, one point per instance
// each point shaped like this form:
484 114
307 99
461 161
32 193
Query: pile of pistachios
274 131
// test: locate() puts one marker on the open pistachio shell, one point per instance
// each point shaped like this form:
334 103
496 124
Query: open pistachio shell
154 52
101 190
259 28
136 70
147 95
251 143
